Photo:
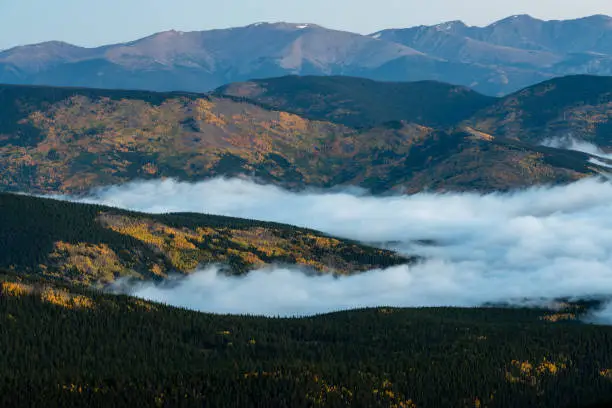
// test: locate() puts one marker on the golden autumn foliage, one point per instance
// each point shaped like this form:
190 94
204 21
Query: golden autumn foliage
49 294
528 373
178 245
289 121
147 306
323 242
80 388
383 392
94 245
84 141
65 299
392 398
557 317
319 398
150 168
157 270
103 134
15 289
90 262
204 112
255 247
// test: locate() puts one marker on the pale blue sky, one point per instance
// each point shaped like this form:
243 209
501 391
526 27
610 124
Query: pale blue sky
96 22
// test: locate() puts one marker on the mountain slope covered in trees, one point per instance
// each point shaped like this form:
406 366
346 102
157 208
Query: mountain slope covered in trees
575 106
75 347
91 244
70 140
360 102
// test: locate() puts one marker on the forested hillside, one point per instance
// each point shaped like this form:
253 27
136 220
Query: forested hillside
70 140
75 347
576 106
90 244
310 125
360 102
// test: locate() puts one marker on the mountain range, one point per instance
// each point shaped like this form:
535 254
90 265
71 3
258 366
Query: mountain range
489 109
498 59
305 131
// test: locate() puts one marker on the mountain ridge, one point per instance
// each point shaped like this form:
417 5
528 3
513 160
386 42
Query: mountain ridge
494 60
360 102
578 106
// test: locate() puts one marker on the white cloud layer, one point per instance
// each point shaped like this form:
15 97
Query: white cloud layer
537 243
571 143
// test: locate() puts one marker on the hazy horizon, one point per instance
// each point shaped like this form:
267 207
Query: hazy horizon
96 24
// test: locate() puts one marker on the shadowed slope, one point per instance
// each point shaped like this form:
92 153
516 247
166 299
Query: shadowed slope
74 347
359 102
576 106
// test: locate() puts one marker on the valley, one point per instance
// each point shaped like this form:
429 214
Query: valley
289 215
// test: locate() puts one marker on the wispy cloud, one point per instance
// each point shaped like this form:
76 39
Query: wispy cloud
571 143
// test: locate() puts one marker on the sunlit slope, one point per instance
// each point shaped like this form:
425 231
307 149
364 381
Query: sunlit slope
70 140
89 244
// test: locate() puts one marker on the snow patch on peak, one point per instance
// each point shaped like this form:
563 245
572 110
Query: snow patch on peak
376 36
449 25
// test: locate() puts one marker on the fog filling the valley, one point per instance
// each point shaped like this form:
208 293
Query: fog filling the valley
540 243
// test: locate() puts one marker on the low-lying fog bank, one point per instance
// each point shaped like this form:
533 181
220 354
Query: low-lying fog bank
535 243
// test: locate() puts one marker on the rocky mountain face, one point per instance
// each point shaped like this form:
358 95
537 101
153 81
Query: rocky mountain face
200 61
498 59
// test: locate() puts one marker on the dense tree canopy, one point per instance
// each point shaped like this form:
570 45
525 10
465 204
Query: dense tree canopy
89 243
64 346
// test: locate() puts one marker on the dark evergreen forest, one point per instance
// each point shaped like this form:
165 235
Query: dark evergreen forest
67 346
